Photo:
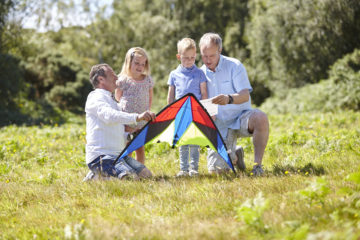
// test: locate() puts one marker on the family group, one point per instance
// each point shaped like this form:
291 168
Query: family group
120 105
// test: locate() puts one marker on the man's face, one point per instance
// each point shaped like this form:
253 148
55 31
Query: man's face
210 55
187 58
109 82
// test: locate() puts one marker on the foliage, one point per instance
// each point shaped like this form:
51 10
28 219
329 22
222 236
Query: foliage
11 76
57 79
340 91
293 43
283 44
252 210
316 192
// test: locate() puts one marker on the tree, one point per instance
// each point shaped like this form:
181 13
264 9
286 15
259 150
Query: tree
293 43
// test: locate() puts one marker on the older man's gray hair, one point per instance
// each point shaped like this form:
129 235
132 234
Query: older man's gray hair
210 38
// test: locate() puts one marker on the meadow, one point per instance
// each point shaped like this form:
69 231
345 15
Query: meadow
310 190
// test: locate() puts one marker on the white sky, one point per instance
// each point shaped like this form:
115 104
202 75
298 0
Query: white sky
76 17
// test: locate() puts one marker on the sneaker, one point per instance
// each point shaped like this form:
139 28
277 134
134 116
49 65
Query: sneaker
182 174
240 156
193 173
257 171
90 176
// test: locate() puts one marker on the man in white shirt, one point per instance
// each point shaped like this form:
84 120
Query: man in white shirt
105 129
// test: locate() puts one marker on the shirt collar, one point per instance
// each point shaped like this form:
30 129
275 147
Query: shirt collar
186 70
219 66
103 91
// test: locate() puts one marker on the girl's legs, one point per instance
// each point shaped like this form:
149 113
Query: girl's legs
140 155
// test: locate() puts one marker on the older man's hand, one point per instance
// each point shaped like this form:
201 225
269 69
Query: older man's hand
221 99
146 116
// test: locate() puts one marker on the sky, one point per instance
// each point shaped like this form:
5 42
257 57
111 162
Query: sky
74 17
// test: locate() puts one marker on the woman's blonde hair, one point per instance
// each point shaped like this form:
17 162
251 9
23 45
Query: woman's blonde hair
131 53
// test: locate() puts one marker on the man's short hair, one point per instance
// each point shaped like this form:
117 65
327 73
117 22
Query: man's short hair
210 38
185 44
96 71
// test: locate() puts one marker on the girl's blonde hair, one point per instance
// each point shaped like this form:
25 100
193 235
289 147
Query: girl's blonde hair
131 53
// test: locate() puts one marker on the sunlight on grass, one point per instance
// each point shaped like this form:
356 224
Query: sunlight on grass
310 188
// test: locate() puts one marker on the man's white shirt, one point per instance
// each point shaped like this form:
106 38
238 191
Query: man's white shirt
105 125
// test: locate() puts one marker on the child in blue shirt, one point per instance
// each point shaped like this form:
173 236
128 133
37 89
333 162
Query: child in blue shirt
187 78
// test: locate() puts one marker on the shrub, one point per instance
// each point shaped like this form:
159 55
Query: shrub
341 91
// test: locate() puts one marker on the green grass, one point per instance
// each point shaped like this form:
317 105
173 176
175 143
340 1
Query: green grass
310 189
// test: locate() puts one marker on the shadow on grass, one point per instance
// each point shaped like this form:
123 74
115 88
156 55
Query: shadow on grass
278 170
224 176
308 169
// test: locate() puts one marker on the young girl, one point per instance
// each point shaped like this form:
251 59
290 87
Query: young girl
135 89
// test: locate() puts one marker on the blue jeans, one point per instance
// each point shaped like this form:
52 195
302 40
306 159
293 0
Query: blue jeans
184 157
104 165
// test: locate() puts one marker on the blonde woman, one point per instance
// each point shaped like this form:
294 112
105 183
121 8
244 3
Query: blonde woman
134 89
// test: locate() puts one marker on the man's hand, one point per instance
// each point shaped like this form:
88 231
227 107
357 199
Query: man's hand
221 99
146 116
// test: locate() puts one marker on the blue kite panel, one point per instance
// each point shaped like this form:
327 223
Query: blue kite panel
223 153
182 120
138 142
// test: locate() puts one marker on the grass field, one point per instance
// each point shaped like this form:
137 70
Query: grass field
311 188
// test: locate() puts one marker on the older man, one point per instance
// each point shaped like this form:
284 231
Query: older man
105 129
229 86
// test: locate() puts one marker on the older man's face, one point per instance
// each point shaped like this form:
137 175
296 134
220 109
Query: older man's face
210 55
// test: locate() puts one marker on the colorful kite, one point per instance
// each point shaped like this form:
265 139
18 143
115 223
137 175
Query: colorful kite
183 122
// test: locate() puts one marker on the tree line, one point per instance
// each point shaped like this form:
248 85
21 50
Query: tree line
292 50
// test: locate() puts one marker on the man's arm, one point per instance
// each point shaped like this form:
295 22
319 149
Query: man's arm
238 98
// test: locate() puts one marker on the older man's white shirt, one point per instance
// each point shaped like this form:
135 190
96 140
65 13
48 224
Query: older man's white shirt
104 125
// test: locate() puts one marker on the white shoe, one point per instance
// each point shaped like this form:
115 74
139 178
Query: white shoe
193 173
182 174
240 163
90 176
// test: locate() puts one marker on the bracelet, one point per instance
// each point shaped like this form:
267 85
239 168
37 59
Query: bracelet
231 99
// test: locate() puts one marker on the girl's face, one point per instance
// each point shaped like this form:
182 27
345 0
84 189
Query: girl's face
137 66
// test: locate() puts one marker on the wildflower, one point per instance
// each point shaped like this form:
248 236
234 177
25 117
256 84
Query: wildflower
307 173
286 172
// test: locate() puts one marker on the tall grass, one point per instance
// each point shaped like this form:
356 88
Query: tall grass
310 189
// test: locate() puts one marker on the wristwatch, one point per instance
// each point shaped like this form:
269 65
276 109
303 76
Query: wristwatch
231 100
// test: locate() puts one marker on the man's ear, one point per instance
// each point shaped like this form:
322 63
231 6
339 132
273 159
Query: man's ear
178 56
101 78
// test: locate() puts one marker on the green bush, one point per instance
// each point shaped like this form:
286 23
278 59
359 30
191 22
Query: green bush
294 43
58 80
11 80
341 91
